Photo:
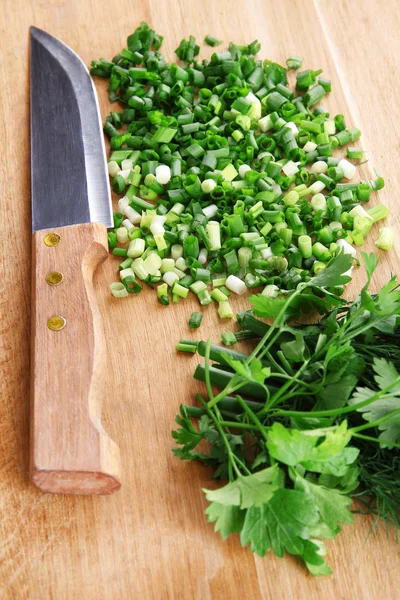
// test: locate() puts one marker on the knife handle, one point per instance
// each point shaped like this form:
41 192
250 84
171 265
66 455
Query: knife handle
70 451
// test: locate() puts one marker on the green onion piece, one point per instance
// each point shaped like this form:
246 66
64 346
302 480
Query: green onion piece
225 311
212 41
228 338
378 212
218 295
188 346
305 246
112 239
354 152
179 290
385 239
195 320
118 290
219 282
294 62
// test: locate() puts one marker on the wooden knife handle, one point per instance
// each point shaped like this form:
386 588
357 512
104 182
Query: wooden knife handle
70 451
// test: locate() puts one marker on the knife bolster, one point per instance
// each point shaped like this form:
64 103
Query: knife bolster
70 451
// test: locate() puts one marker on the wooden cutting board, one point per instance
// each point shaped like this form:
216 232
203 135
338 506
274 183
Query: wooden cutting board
151 539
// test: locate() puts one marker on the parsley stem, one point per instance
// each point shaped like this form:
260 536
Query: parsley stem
217 423
377 422
376 440
207 369
239 425
253 417
341 411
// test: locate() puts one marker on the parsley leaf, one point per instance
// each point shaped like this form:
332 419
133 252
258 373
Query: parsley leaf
305 448
186 434
227 518
268 308
332 505
255 371
314 551
282 523
333 274
385 375
247 491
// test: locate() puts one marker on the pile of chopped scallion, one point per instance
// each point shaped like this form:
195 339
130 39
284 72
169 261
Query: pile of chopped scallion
226 175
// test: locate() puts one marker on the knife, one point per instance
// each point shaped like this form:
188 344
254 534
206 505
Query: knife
71 209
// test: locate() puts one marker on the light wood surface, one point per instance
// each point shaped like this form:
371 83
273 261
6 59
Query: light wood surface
150 539
70 451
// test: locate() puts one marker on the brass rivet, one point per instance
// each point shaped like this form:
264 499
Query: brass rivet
54 278
52 239
56 323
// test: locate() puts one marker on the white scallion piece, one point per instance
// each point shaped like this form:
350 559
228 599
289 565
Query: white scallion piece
113 168
243 170
167 264
177 208
127 223
291 168
126 273
125 174
347 248
235 284
127 164
180 264
122 204
319 167
210 211
170 277
156 228
330 127
176 251
136 248
214 234
335 225
270 291
310 147
208 185
293 127
255 109
152 263
348 168
202 257
359 211
318 202
266 253
163 174
316 187
118 290
132 215
265 124
122 235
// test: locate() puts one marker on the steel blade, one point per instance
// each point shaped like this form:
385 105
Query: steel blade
69 174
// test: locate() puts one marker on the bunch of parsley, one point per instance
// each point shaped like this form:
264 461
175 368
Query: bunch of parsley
326 412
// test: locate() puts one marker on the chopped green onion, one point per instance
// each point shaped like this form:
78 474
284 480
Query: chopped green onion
294 62
385 239
195 320
228 338
225 311
212 41
188 346
118 290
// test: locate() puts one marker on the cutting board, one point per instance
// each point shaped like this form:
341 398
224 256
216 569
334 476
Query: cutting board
151 539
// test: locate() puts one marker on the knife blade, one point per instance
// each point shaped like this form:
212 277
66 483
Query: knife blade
71 208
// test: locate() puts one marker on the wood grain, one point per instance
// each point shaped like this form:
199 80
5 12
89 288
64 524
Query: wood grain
151 539
70 451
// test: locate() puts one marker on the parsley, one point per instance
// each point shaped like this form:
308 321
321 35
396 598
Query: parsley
295 459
